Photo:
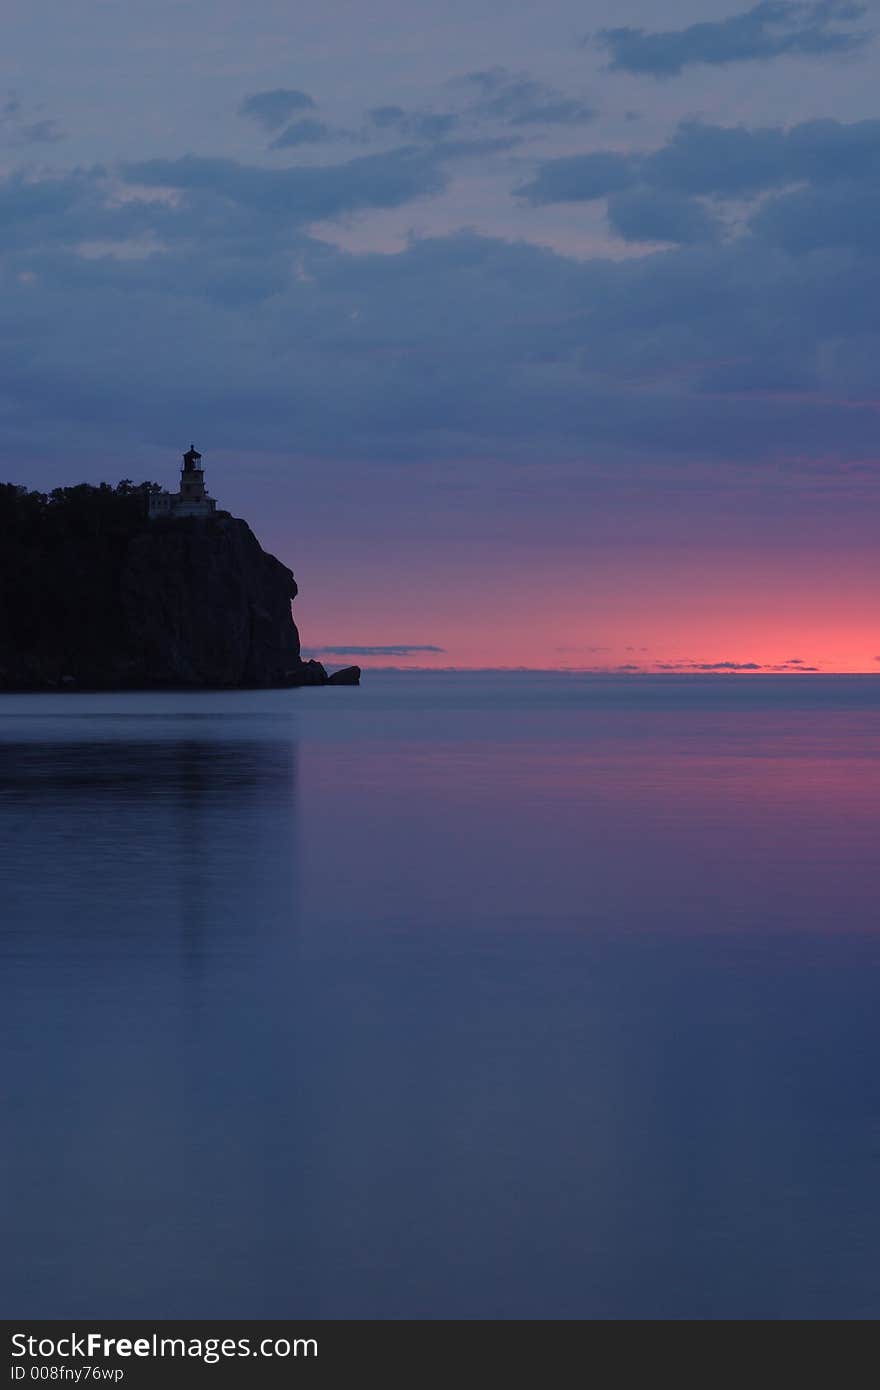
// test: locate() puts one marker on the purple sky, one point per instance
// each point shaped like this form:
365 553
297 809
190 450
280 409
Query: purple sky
517 331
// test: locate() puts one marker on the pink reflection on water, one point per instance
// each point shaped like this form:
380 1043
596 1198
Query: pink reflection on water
670 821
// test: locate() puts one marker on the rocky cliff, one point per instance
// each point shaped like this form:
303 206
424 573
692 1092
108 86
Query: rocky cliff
93 595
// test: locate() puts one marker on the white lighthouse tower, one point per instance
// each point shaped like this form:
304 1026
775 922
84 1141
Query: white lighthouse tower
192 499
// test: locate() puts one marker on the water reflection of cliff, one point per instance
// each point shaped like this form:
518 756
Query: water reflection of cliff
181 844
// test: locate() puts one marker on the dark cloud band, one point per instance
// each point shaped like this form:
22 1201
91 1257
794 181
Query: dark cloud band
773 29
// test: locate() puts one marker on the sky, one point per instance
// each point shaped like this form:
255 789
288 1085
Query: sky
528 336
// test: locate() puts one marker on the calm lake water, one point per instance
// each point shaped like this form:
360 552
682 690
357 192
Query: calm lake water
450 996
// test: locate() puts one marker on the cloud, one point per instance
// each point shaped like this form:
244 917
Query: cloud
24 130
772 29
397 649
579 177
493 94
734 161
638 209
43 132
273 108
517 99
721 666
721 161
459 345
303 193
729 160
44 211
306 132
419 125
644 214
710 666
824 175
726 666
811 219
194 288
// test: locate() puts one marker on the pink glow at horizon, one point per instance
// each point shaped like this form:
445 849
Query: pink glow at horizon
604 612
570 566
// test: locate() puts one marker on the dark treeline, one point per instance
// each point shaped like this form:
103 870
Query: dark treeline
83 509
60 558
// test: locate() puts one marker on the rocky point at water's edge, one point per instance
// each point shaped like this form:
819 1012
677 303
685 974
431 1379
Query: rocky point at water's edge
93 595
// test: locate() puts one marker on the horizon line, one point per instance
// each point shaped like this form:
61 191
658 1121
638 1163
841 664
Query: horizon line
609 672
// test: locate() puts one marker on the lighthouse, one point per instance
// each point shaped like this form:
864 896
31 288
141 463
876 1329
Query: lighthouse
192 499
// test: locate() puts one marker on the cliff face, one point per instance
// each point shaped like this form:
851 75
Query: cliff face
203 604
92 598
